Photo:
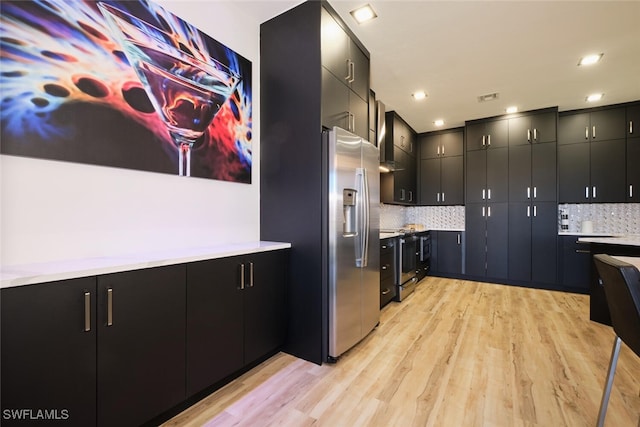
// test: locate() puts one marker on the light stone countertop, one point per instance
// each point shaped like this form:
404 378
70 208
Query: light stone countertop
626 240
28 274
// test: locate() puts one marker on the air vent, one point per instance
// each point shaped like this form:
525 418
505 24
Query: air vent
488 97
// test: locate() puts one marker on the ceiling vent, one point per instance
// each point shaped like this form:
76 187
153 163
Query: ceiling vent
488 97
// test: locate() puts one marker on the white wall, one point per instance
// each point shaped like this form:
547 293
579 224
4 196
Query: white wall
56 210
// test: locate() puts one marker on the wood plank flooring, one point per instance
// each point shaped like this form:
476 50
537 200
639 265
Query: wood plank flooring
455 353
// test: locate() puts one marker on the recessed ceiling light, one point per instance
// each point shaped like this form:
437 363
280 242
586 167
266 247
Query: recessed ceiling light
363 14
511 110
595 97
590 59
419 95
439 122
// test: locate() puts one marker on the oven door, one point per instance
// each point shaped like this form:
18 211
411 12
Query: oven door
407 258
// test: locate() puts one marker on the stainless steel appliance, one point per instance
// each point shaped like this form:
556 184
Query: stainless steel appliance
407 279
353 245
423 255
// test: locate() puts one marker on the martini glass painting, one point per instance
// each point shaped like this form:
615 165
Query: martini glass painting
185 91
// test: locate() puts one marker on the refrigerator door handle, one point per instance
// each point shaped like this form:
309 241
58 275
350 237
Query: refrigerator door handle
363 249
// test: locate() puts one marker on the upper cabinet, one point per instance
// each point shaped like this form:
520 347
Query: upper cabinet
531 129
441 167
592 156
487 134
399 186
633 153
345 78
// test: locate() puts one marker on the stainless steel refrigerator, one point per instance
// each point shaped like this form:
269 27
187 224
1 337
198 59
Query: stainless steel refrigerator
353 240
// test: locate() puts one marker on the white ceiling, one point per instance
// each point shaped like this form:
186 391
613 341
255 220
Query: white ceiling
527 51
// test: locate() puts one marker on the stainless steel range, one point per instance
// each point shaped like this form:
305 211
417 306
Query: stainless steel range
406 269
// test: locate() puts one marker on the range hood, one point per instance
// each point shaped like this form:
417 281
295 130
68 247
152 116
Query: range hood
387 163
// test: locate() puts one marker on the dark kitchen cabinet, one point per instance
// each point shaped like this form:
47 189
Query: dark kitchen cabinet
533 229
533 128
633 169
399 186
487 175
486 231
441 176
532 172
574 264
345 78
388 256
141 342
235 314
487 134
49 350
632 123
591 125
447 249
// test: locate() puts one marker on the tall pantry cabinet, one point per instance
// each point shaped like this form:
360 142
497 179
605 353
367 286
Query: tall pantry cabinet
314 74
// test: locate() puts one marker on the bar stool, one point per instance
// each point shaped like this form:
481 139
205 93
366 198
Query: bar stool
622 288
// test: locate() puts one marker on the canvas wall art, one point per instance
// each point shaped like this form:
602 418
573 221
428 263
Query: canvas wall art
122 84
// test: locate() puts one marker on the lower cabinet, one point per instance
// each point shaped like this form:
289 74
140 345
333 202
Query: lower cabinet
235 314
123 348
49 352
447 252
486 231
574 261
387 270
141 360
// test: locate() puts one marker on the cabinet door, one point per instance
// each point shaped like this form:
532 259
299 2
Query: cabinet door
573 128
359 116
48 356
475 230
544 235
264 304
608 175
520 132
498 174
401 175
520 215
576 263
450 252
430 182
633 169
215 340
543 127
608 124
497 133
573 173
335 102
476 176
141 354
360 71
412 179
452 143
520 188
476 136
334 47
452 181
497 233
544 172
633 121
430 146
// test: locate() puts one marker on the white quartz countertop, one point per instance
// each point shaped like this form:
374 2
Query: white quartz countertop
626 240
578 233
28 274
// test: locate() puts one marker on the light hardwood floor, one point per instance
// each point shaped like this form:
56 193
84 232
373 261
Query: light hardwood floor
455 353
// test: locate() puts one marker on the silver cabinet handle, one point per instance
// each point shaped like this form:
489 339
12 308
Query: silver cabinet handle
586 132
438 151
443 197
251 274
535 134
581 251
483 211
528 211
241 286
384 246
630 126
402 194
386 291
110 307
459 238
593 131
87 311
443 150
489 211
586 192
489 194
535 192
483 194
348 76
529 135
410 196
438 197
528 192
352 70
488 140
483 140
630 190
594 191
384 267
535 210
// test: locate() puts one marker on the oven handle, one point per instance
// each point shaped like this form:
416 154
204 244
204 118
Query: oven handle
400 261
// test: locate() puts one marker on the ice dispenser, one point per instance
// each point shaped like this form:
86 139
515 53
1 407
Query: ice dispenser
349 227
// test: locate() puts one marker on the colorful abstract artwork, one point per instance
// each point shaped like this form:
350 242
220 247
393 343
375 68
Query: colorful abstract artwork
122 84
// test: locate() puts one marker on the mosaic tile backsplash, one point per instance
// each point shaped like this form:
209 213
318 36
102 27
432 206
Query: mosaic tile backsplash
614 218
432 217
611 218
